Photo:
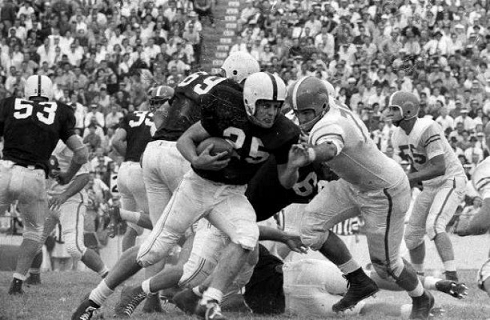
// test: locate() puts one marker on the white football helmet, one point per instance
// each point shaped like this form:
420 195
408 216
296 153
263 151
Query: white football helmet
38 86
262 86
239 65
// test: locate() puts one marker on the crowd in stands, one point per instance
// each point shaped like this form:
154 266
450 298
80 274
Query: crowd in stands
368 49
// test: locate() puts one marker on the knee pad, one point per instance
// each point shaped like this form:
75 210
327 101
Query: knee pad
414 238
246 235
433 229
156 247
389 270
312 239
196 270
74 247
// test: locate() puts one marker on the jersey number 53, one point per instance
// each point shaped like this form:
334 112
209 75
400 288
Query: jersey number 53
24 109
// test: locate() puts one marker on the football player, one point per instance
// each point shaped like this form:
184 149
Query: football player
163 165
130 140
370 184
31 128
67 207
436 166
480 222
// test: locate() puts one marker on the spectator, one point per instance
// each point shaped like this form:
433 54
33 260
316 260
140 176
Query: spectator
92 139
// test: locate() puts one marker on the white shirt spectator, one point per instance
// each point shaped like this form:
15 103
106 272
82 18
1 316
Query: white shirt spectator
446 122
468 123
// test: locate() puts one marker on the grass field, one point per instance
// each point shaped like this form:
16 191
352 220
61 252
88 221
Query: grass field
60 293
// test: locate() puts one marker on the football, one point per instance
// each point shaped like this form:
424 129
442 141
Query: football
219 145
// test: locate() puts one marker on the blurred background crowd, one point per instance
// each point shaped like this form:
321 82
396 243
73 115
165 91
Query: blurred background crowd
103 56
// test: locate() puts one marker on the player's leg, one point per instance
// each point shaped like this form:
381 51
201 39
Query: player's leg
31 187
72 214
235 216
484 277
52 219
167 279
129 205
415 230
385 218
332 205
446 201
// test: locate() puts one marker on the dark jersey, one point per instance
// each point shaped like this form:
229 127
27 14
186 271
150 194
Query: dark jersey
268 196
138 126
223 115
185 107
264 292
31 129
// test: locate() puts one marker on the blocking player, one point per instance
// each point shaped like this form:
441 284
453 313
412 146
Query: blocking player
31 128
67 207
436 166
130 140
163 165
370 184
480 222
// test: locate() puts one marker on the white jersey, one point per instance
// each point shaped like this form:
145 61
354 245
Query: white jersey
64 155
426 141
358 159
481 178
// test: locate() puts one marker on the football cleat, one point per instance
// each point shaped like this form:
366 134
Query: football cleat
360 288
452 288
186 300
152 304
422 306
115 219
210 311
34 279
85 310
131 297
16 287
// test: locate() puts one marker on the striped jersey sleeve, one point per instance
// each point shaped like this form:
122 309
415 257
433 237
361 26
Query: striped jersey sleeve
332 133
431 140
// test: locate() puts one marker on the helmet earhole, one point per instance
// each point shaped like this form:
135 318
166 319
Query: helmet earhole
235 72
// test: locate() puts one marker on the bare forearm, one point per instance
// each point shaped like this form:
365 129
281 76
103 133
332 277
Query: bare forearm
271 234
76 185
429 173
120 147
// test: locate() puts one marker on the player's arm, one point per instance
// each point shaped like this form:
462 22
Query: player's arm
326 142
292 241
78 183
119 141
436 165
80 157
187 147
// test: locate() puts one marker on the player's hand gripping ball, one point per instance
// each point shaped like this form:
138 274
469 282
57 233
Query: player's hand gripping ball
219 145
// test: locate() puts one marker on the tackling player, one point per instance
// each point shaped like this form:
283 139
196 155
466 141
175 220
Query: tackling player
370 184
480 222
435 165
67 207
31 128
